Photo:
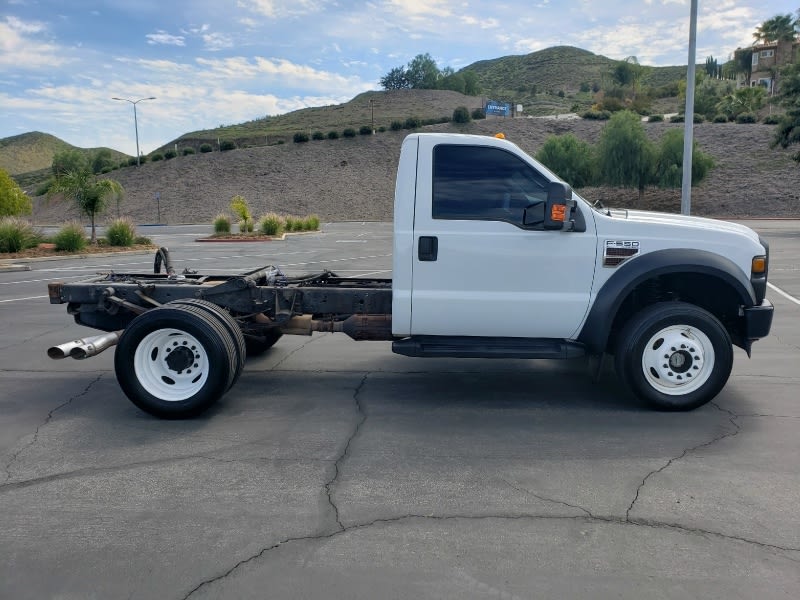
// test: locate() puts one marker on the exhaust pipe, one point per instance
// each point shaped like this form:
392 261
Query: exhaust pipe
85 347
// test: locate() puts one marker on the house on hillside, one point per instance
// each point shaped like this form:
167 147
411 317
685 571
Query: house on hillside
767 58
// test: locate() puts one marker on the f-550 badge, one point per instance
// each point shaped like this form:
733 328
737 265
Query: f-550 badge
618 251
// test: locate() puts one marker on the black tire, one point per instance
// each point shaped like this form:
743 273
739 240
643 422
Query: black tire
258 344
174 362
227 321
674 355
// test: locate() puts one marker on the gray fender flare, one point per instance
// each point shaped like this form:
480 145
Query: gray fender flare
597 327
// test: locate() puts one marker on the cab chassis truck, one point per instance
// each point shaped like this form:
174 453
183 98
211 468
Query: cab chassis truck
493 257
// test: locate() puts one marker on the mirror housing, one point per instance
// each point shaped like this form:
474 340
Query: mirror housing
559 205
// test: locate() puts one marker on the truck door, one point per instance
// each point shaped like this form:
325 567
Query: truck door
477 270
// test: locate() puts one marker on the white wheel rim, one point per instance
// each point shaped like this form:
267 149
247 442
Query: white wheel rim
171 365
678 359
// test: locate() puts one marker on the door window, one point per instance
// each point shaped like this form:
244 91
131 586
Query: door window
480 183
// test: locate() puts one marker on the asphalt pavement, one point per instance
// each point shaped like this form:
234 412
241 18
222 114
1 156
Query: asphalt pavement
335 469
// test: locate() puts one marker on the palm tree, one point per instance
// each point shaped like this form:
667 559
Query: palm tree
780 28
91 194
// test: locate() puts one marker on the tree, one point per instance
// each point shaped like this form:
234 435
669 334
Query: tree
626 157
669 166
13 201
89 193
422 72
780 28
395 79
471 85
68 160
788 130
570 158
102 159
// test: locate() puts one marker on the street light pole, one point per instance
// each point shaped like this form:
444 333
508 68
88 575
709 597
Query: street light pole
135 121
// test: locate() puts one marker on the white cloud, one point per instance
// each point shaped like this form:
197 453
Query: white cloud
217 41
275 9
162 37
19 51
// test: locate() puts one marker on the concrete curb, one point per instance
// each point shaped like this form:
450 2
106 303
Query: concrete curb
24 267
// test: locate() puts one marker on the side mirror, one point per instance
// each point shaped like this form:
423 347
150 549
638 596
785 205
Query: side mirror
558 208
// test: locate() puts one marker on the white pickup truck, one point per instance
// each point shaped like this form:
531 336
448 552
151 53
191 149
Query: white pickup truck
494 256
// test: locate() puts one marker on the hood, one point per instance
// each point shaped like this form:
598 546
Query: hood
697 223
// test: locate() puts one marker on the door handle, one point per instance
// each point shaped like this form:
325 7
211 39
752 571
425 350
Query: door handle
428 248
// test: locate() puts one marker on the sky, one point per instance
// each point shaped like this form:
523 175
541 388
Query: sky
221 62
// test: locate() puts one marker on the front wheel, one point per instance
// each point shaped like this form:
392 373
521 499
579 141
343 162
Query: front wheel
674 355
175 361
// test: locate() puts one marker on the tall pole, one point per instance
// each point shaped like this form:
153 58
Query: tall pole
136 122
688 128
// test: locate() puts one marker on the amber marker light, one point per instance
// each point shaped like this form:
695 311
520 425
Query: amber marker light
500 136
759 266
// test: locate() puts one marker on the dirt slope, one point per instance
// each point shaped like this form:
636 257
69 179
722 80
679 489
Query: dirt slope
353 179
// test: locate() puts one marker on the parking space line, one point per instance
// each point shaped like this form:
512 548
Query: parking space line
789 297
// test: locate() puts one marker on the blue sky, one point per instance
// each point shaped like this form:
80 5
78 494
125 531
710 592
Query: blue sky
221 62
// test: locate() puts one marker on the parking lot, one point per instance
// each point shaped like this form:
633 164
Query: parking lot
336 469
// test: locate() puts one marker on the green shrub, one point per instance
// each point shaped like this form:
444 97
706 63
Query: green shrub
187 151
677 119
411 123
349 132
365 130
292 224
246 225
318 135
746 118
300 137
771 120
270 224
143 241
43 188
461 115
222 223
70 238
396 125
333 135
170 154
157 157
720 119
570 158
121 232
311 223
226 145
655 118
597 115
205 148
132 162
381 129
105 170
17 235
478 114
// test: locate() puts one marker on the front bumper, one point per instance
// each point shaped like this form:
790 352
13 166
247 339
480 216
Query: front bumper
758 320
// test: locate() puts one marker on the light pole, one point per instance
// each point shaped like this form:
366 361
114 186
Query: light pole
135 122
372 110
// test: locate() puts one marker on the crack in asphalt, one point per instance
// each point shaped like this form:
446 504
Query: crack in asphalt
295 351
466 517
88 471
362 416
37 336
546 499
15 455
730 433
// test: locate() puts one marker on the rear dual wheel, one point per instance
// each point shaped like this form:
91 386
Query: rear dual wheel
176 360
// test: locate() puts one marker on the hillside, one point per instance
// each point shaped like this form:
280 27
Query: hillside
353 179
34 151
535 80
